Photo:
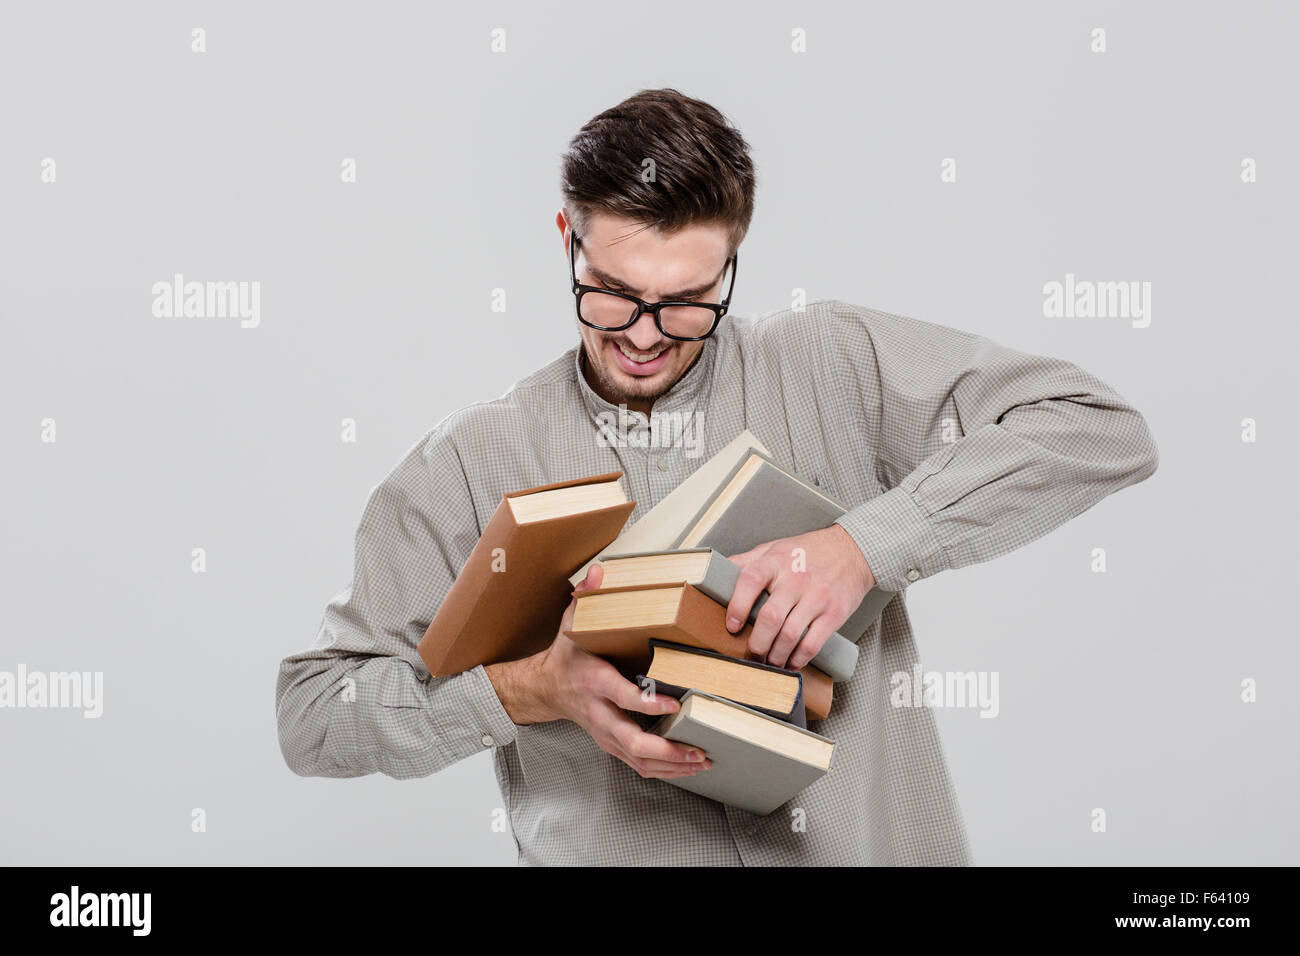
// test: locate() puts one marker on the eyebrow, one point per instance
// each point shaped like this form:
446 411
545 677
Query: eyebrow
608 279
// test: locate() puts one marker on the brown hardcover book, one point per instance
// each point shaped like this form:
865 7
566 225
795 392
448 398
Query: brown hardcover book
818 692
618 623
508 599
677 668
760 686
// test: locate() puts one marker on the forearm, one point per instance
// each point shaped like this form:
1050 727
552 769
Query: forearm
341 718
520 687
988 448
360 700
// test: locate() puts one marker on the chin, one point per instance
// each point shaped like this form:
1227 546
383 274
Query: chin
632 388
625 387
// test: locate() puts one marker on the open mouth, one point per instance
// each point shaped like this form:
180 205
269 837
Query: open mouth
635 362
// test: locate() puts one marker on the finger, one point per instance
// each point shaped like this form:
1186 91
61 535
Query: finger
746 558
650 766
666 768
623 693
639 745
753 580
819 631
630 743
770 620
796 623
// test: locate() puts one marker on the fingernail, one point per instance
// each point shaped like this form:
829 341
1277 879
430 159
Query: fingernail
696 755
733 623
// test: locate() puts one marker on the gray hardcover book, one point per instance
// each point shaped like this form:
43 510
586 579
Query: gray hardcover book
838 657
773 504
746 773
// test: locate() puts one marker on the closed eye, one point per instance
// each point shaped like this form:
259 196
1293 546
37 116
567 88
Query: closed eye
616 288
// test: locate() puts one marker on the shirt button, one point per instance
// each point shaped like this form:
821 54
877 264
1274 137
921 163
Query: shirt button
488 741
750 831
661 464
913 574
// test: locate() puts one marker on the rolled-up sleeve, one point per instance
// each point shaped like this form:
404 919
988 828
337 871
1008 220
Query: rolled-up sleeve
981 448
360 700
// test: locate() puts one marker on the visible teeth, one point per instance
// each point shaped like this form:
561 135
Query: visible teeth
639 357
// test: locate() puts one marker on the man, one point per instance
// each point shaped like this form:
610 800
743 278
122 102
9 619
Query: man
948 448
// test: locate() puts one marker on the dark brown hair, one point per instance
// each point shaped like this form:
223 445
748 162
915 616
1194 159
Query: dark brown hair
702 170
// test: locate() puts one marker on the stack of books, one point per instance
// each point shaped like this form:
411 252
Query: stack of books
659 614
747 716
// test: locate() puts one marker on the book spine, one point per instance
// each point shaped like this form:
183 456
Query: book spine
868 611
818 692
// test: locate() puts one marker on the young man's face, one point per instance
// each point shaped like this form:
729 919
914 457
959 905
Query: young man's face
638 364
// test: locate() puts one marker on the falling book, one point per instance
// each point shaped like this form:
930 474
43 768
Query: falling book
760 501
759 762
715 575
618 624
508 599
676 668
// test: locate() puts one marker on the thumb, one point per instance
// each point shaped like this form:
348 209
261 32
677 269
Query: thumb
592 581
595 574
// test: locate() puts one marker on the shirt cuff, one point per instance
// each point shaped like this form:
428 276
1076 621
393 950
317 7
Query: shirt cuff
487 716
896 538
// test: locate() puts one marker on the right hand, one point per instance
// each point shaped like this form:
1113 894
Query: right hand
565 682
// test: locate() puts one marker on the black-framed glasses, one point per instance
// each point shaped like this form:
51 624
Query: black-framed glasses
611 311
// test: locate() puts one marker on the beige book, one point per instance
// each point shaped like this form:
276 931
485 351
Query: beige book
759 762
663 524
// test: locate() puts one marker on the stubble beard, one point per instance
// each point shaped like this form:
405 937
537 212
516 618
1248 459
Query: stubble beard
616 392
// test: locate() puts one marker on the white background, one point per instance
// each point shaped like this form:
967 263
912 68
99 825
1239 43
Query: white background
1118 690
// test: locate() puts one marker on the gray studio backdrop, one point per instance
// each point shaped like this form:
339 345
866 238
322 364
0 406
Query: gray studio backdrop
1120 690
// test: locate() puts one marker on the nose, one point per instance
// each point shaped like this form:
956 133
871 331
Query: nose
644 334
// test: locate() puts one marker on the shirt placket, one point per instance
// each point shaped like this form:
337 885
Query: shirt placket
659 452
668 462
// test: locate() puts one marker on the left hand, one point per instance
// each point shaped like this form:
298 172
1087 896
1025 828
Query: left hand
816 580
